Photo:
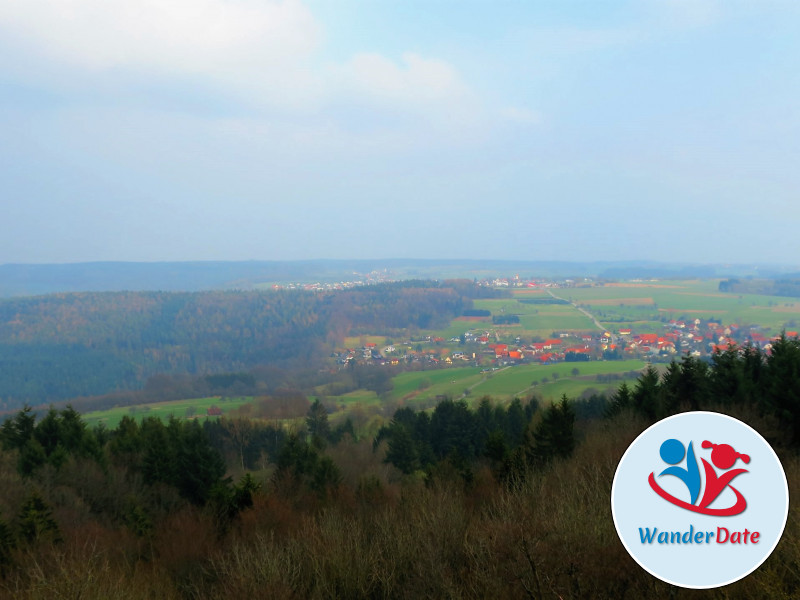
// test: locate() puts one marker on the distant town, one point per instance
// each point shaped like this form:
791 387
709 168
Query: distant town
696 338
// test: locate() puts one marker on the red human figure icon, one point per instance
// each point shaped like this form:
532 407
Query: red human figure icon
724 457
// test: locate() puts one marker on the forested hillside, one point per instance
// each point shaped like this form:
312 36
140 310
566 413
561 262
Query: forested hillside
67 345
496 501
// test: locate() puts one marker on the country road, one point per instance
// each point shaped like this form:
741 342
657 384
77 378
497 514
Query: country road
586 312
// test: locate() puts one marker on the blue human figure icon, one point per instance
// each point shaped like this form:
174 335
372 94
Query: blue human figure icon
672 452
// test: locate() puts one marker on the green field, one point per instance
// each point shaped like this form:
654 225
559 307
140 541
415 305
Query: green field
361 340
506 383
576 386
642 305
547 381
516 381
178 408
419 388
536 320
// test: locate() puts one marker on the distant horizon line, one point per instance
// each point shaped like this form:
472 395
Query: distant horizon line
405 259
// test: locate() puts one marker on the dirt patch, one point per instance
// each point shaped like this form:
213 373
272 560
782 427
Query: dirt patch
786 309
705 295
474 319
616 301
644 285
411 395
690 311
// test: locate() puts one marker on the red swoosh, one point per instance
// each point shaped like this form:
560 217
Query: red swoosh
737 508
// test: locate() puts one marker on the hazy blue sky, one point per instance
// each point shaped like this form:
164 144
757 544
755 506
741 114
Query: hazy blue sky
253 129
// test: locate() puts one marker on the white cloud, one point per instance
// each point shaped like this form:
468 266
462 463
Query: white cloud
266 53
173 36
417 81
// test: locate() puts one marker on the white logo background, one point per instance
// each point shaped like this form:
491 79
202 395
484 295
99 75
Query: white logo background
635 505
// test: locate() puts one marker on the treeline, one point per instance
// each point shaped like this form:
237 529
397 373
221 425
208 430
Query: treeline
783 286
491 501
741 376
87 344
505 319
543 300
505 437
418 440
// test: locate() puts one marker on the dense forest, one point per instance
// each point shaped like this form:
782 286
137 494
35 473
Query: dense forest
491 501
39 279
64 346
788 286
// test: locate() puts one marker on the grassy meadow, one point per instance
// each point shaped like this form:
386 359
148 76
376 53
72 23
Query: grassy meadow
193 407
418 389
642 306
646 304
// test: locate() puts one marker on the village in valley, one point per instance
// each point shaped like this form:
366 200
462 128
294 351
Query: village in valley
697 338
494 341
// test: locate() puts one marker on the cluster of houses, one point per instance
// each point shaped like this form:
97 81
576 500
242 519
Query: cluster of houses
533 283
695 337
371 278
706 337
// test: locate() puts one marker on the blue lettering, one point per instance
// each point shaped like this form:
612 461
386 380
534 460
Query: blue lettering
687 537
691 536
647 537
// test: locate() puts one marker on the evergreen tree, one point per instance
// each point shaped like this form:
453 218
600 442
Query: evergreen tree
326 475
690 390
645 397
621 400
453 430
496 448
31 457
159 459
317 424
728 380
200 467
297 458
341 430
18 430
782 394
7 545
401 451
36 521
553 436
515 422
126 443
48 432
669 392
485 416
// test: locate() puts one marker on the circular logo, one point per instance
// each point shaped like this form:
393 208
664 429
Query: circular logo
699 500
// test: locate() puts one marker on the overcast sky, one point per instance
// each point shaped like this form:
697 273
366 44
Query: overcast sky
251 129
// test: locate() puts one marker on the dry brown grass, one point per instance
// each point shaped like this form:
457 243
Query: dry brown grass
618 301
549 536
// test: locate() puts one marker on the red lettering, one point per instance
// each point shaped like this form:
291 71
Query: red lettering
720 539
736 537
